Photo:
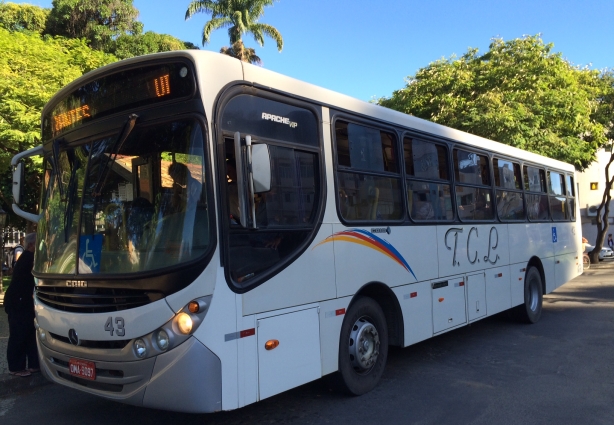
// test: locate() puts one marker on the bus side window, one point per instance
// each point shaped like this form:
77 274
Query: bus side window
429 196
508 181
368 173
473 190
536 198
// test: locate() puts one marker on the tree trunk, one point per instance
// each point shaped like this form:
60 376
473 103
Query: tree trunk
603 223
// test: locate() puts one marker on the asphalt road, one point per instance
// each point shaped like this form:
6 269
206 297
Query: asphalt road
496 371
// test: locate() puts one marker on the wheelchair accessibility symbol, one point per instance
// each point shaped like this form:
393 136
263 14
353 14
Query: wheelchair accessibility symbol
554 237
90 247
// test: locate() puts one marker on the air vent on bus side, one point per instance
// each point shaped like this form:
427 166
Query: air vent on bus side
94 300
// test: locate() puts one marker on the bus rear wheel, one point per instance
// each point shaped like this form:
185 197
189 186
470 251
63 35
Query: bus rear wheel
531 310
363 346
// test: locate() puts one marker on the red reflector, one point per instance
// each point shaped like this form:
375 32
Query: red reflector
247 332
340 312
461 284
499 275
440 300
413 295
519 278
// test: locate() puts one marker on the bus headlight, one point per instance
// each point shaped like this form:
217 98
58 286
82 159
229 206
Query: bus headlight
140 349
184 323
174 332
162 340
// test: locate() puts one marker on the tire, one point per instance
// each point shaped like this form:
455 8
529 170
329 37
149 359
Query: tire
586 261
531 310
364 327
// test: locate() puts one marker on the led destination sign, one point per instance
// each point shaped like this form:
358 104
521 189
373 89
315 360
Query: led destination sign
116 92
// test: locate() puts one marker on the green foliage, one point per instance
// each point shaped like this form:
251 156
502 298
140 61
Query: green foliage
22 17
100 22
240 17
519 93
32 69
239 51
127 46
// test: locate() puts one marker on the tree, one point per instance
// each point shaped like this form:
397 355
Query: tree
520 93
239 51
606 116
100 22
22 17
127 46
32 69
240 17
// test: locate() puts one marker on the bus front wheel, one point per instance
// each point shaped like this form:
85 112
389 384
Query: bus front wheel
531 310
363 347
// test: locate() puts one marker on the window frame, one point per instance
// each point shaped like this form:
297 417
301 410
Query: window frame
337 116
406 177
488 155
504 189
529 192
229 93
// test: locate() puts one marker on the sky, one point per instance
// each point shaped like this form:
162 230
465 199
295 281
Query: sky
366 49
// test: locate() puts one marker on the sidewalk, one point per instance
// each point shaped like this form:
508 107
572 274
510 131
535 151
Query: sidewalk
13 384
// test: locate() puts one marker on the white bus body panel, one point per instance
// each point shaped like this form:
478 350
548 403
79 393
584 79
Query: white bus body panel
417 309
449 309
527 240
476 296
498 290
517 274
310 278
332 313
464 248
358 263
297 358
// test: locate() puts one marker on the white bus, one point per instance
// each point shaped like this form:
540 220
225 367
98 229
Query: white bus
212 233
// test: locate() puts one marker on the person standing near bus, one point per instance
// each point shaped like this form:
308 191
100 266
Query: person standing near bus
610 242
19 305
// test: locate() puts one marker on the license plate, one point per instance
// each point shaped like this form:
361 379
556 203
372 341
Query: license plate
82 369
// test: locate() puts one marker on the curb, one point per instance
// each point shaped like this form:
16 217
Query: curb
10 385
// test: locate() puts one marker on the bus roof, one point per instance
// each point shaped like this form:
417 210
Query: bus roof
262 77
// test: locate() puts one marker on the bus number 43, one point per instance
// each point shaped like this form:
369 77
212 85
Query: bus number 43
119 322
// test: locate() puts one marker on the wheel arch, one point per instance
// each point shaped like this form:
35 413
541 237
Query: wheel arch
537 263
389 303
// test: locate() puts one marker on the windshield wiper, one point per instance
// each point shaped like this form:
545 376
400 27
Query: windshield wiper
106 168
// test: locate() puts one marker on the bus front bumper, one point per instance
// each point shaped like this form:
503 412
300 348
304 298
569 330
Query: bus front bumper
185 379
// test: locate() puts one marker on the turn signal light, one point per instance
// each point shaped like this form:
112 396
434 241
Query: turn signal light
271 344
193 307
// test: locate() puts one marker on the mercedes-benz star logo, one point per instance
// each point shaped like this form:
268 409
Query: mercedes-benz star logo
73 337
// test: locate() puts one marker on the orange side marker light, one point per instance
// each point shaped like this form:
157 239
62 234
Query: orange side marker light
440 300
271 344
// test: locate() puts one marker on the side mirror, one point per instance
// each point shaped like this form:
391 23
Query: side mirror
18 180
261 168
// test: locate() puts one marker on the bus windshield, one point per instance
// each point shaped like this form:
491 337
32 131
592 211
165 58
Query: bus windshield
128 207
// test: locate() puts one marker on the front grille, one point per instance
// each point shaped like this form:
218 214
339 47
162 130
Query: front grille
112 345
94 300
101 386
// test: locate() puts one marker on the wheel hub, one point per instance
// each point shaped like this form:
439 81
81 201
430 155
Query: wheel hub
364 345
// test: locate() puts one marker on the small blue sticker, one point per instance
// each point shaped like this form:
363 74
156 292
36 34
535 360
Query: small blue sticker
554 238
90 248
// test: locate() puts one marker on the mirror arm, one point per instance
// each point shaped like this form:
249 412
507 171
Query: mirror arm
250 177
37 150
240 180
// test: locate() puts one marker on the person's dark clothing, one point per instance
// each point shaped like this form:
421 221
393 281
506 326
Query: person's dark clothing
611 243
19 306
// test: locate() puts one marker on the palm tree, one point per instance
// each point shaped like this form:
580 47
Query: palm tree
239 51
240 17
